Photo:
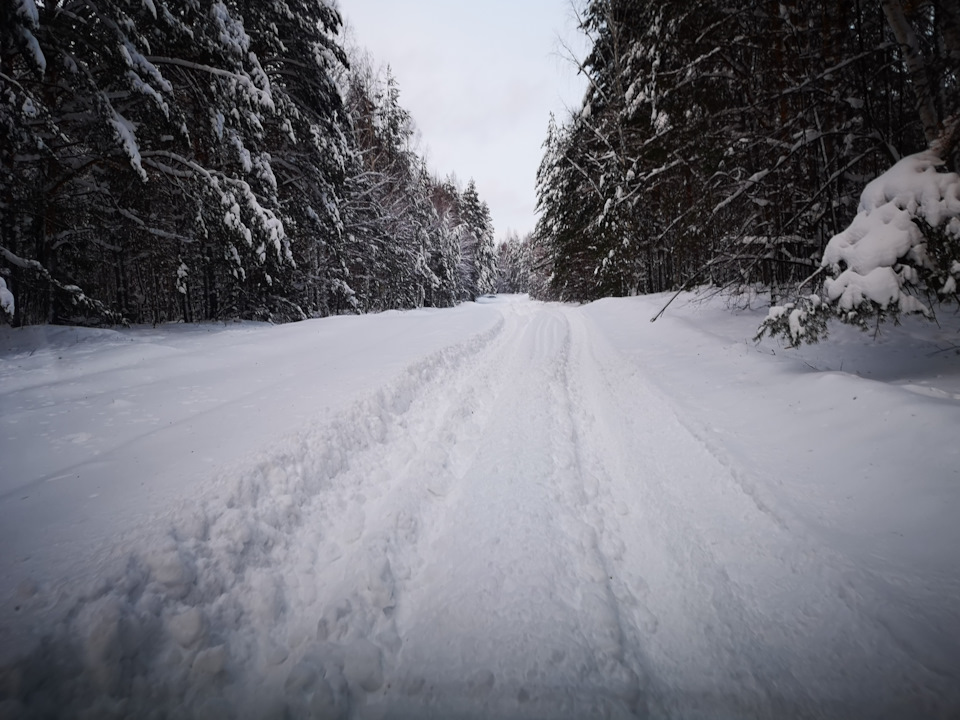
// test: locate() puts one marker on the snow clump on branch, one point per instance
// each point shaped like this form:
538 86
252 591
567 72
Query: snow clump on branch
7 305
903 243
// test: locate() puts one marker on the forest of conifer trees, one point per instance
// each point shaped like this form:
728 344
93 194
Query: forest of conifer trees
191 159
182 160
725 144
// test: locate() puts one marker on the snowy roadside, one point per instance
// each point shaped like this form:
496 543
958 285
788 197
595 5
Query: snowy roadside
854 437
103 431
849 446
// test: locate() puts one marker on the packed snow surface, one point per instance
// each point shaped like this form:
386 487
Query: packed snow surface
508 509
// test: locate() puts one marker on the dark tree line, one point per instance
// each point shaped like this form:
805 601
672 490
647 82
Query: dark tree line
727 143
192 159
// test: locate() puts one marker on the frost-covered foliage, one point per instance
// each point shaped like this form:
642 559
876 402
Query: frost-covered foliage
567 208
410 242
522 265
901 251
7 304
189 160
478 254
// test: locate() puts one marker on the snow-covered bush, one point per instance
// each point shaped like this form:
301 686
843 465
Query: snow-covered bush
900 254
6 302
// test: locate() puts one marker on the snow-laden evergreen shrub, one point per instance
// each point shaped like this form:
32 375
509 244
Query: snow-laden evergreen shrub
901 254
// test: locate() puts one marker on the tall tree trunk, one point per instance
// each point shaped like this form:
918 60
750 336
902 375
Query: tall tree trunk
916 68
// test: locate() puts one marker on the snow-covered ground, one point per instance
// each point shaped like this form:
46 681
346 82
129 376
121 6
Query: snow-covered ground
509 509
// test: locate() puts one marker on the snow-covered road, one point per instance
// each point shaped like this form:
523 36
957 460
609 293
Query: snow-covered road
523 522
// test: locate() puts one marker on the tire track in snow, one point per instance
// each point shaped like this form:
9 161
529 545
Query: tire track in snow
666 584
512 614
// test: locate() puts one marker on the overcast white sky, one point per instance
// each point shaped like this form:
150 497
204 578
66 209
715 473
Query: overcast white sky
480 79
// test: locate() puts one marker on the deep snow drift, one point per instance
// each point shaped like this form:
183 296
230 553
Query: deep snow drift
508 509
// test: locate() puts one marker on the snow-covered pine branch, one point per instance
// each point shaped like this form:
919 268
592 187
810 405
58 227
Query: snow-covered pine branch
901 251
7 304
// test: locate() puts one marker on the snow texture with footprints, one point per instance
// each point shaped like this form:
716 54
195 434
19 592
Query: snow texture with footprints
520 523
